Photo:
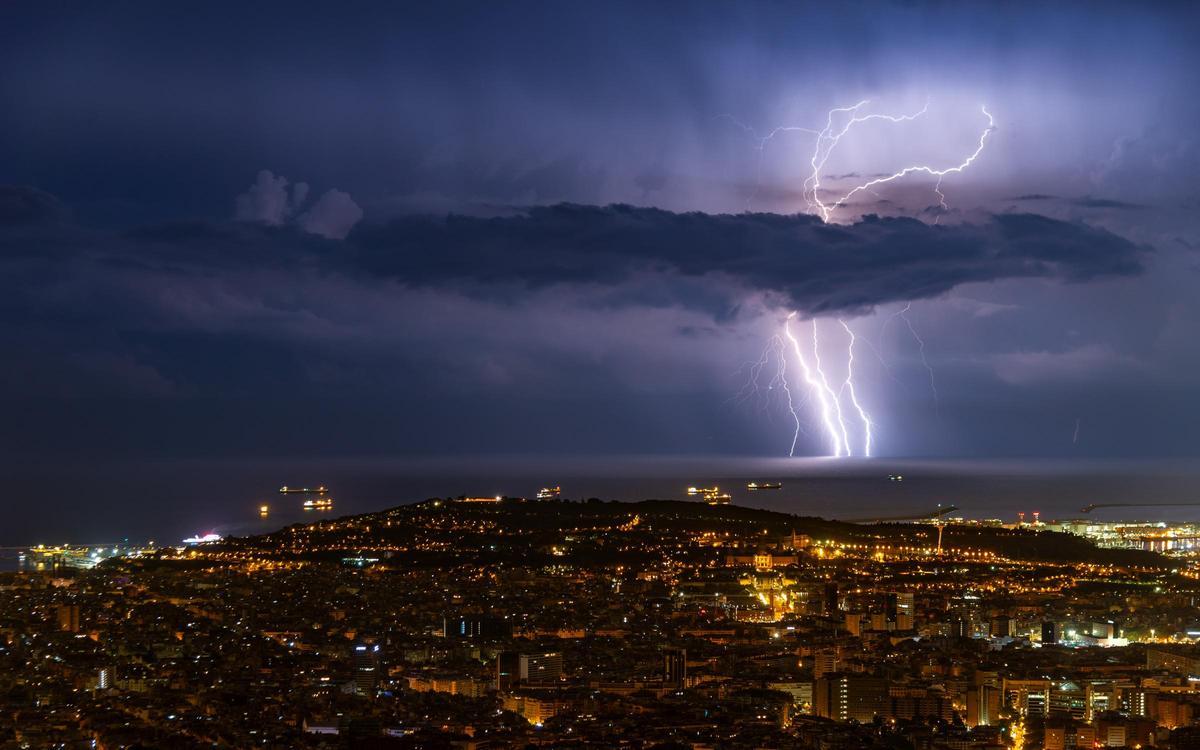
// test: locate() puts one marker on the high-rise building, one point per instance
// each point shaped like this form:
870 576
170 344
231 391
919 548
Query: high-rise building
1185 738
983 705
103 679
476 627
68 618
897 603
831 599
845 696
366 669
675 667
1001 626
508 665
824 662
540 668
1049 633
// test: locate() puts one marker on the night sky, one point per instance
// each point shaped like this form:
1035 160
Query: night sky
257 230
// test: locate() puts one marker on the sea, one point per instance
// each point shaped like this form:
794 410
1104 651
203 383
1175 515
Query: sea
165 501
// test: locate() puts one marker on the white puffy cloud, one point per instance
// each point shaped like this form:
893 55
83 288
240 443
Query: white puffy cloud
269 201
333 215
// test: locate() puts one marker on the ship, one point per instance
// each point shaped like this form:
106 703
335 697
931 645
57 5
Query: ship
712 495
549 493
286 490
320 503
755 486
208 538
896 477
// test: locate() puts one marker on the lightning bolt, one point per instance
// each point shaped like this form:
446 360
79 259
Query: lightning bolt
833 397
849 386
791 407
825 210
839 121
827 141
826 400
903 315
830 136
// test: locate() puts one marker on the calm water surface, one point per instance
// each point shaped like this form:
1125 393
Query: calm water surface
165 501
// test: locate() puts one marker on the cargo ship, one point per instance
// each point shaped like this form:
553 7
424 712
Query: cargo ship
755 486
712 495
320 503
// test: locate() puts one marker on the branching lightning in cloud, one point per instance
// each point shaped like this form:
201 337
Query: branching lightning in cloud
827 210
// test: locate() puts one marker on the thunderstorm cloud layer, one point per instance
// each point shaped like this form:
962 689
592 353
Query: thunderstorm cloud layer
413 231
815 267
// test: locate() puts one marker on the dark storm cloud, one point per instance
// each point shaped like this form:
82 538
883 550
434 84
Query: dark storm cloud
1089 202
818 267
1086 201
247 308
813 266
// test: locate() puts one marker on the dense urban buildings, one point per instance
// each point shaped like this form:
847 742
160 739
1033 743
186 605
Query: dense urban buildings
520 623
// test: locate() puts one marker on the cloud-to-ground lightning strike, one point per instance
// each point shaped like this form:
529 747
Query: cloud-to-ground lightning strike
827 140
833 397
840 448
849 386
903 315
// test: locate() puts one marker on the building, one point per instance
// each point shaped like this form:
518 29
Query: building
476 627
366 669
824 662
540 668
983 705
831 599
68 618
508 665
1049 633
1027 697
1001 627
674 667
844 697
1158 658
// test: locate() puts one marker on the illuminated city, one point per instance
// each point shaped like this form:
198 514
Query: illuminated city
600 376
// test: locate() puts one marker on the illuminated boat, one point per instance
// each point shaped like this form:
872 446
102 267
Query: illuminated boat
755 486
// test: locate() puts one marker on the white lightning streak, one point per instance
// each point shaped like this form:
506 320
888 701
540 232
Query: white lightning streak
837 402
840 448
782 377
921 347
849 386
938 173
822 152
827 141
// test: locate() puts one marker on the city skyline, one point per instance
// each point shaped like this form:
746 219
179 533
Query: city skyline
623 376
